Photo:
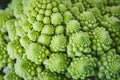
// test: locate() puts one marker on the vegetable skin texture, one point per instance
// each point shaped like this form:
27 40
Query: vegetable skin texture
60 40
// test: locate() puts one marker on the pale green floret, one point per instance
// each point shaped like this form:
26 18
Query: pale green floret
3 56
72 27
113 11
47 75
54 4
62 8
49 6
14 3
11 29
101 40
37 53
55 10
67 3
112 24
25 41
46 20
88 21
22 19
67 16
15 50
37 9
44 39
48 13
31 19
42 11
37 26
56 18
4 16
26 11
34 13
75 11
26 69
26 26
58 62
83 67
79 43
48 29
109 66
33 35
80 6
29 7
61 42
16 7
43 6
11 75
97 13
40 17
18 10
20 32
93 3
60 29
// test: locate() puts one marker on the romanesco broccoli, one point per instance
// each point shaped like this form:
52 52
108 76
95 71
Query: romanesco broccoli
60 40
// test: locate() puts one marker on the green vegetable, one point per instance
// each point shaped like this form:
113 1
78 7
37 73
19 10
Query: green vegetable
60 40
47 75
11 75
82 67
58 62
4 58
109 65
26 69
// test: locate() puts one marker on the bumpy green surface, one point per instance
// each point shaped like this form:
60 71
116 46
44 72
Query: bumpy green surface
72 26
88 21
58 62
47 75
4 16
60 40
10 27
3 56
26 69
37 53
15 50
101 40
11 75
83 67
79 43
109 66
